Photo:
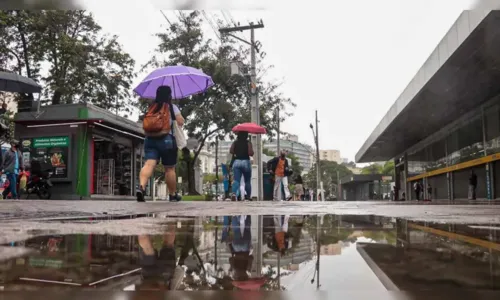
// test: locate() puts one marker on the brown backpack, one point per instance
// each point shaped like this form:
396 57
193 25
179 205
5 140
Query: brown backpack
157 121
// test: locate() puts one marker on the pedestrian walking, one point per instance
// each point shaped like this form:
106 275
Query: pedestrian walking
418 188
299 188
472 185
160 142
159 266
429 192
12 164
279 167
242 149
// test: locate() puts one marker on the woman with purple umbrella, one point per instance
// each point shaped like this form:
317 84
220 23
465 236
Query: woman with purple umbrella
163 85
161 144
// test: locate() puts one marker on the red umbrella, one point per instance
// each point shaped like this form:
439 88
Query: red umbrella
250 128
253 284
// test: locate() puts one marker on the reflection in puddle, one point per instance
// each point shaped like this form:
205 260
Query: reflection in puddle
258 253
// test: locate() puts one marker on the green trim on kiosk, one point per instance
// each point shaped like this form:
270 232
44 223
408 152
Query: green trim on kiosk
82 146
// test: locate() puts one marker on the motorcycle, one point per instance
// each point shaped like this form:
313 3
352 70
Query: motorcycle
39 182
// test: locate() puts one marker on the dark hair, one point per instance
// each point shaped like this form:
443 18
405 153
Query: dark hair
242 136
163 96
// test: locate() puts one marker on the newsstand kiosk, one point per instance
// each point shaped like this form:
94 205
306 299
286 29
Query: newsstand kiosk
94 153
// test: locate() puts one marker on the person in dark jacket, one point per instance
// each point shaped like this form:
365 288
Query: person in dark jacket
472 185
279 168
12 164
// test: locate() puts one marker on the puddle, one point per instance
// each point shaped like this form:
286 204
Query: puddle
270 253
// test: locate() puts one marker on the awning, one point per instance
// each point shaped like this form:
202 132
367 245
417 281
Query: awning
457 78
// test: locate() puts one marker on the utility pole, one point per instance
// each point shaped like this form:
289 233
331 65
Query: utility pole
278 150
216 168
318 172
255 106
338 186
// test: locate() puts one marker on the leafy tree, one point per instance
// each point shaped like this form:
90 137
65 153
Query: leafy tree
84 65
372 169
328 171
350 164
226 104
387 169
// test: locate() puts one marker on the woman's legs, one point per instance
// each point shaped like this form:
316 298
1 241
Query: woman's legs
236 177
242 186
247 174
169 160
146 172
171 180
144 175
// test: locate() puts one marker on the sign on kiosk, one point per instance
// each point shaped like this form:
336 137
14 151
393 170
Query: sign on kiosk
51 149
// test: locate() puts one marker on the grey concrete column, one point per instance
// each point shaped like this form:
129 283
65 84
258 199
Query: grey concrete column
449 177
407 195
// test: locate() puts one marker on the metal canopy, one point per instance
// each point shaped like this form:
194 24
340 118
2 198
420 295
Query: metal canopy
15 83
466 80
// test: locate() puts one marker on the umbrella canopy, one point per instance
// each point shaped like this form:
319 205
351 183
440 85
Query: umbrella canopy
184 81
250 128
15 83
253 284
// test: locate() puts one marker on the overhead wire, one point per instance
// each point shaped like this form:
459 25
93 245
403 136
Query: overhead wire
209 21
165 16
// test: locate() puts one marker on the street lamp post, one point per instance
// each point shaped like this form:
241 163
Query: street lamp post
216 168
315 135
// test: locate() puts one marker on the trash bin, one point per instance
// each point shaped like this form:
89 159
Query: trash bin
268 186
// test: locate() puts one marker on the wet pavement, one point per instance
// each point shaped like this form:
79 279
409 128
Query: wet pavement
282 252
479 212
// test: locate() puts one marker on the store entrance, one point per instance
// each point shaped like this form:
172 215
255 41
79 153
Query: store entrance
113 173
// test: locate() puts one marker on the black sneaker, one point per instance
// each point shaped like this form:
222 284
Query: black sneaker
174 198
140 194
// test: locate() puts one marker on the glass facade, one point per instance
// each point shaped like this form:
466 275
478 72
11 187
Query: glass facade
476 137
462 144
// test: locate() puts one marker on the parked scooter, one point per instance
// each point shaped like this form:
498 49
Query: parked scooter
39 182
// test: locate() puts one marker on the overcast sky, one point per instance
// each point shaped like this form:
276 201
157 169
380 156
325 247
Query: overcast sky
349 60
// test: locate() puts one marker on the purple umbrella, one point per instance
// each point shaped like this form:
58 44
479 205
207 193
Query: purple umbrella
184 81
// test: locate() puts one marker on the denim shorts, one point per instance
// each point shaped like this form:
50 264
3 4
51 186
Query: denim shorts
164 148
160 265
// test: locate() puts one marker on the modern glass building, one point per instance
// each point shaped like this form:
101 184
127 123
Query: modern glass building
302 151
446 123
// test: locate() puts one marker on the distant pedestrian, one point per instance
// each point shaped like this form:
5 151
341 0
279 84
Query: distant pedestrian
279 167
472 185
242 149
418 189
429 192
12 164
299 188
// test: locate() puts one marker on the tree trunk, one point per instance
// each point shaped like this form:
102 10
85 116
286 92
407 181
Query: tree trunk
20 28
191 180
